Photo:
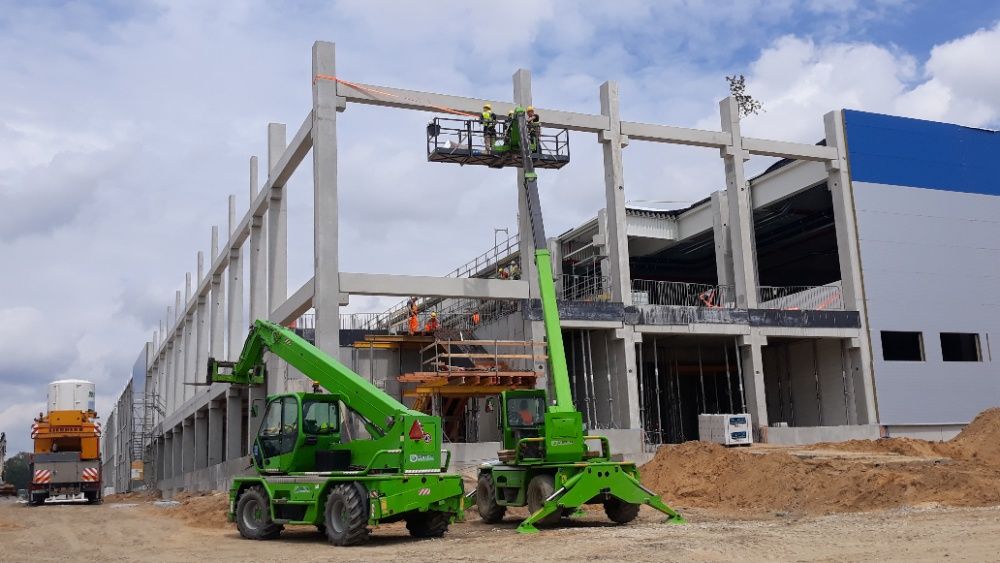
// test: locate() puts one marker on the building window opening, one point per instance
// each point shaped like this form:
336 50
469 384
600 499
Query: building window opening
960 347
902 346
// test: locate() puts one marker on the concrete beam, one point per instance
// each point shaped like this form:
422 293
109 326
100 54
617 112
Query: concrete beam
426 101
784 149
295 306
674 135
389 284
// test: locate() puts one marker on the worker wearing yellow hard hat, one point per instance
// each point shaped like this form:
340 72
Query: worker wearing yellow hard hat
488 120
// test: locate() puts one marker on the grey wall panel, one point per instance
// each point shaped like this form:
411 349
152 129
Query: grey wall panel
931 263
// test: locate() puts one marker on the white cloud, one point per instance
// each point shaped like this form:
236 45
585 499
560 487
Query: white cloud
126 125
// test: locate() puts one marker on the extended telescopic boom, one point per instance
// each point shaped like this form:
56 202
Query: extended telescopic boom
546 284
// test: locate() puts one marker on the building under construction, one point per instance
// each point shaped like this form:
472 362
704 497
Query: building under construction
836 295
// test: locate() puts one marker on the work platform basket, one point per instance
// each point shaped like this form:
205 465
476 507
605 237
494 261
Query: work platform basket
463 141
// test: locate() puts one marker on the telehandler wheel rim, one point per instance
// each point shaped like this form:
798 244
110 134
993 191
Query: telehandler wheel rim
253 514
338 515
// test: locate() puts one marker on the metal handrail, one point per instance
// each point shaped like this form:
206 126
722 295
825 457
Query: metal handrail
801 297
583 288
651 292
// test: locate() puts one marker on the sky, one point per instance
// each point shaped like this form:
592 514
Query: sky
125 125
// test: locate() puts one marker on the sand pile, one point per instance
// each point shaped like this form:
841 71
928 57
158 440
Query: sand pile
203 510
962 472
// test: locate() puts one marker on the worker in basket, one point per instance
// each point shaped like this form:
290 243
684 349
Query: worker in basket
508 128
432 324
534 127
488 120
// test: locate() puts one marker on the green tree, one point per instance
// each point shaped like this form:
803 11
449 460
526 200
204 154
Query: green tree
738 88
17 471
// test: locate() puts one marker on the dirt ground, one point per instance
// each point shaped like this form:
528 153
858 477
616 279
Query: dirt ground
130 531
889 500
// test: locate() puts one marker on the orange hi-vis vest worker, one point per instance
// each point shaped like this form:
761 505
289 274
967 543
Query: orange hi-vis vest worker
414 325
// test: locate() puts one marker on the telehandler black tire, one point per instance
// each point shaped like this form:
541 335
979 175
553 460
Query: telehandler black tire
346 514
540 488
430 524
619 511
486 500
253 515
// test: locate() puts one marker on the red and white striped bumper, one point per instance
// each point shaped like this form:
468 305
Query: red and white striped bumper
90 475
42 476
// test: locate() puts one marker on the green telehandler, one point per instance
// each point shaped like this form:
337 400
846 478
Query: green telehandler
547 463
341 461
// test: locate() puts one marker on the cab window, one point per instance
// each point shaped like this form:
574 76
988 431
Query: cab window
320 417
280 427
525 412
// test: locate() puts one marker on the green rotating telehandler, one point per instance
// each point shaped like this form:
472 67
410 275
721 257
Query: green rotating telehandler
341 461
546 462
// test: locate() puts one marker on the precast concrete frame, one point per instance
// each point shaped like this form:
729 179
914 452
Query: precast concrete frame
194 329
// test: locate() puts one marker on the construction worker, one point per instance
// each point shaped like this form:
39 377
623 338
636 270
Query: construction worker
475 318
488 120
503 273
534 126
413 324
432 324
523 415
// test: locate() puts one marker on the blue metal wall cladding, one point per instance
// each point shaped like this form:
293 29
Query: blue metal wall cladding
901 151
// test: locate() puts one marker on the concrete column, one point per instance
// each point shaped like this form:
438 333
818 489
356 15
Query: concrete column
168 375
234 423
740 210
216 348
752 362
190 354
201 439
178 337
842 194
216 432
188 452
190 340
612 142
158 465
234 296
168 455
200 369
616 244
326 104
277 248
720 228
178 455
258 281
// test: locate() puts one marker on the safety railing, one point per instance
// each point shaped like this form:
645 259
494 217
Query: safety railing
801 297
496 262
488 263
466 137
583 288
650 292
